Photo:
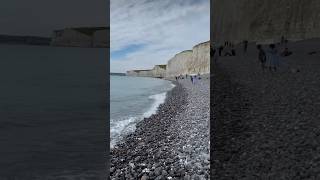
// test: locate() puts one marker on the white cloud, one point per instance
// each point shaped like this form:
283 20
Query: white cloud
165 27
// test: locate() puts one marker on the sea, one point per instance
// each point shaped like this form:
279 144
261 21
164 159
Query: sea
131 100
53 112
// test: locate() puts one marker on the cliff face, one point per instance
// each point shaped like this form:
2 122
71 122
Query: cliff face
260 20
192 61
81 37
71 37
179 64
145 73
142 73
101 38
200 59
131 73
159 71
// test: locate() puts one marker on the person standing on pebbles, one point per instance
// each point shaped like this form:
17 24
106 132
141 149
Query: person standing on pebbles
194 79
272 58
262 57
199 77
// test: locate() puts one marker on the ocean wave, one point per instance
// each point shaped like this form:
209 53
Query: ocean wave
119 129
158 99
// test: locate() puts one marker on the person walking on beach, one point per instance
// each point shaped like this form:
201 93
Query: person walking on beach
282 39
272 58
227 51
220 50
262 57
212 51
233 51
214 55
245 46
191 77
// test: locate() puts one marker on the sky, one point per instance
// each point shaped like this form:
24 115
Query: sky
41 17
144 33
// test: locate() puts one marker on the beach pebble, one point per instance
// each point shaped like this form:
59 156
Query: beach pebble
144 177
172 141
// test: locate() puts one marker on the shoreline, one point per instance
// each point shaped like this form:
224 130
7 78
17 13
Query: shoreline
154 150
152 110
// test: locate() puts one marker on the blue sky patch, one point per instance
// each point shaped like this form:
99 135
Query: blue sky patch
119 54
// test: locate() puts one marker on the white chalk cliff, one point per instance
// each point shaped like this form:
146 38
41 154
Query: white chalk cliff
81 37
195 61
264 20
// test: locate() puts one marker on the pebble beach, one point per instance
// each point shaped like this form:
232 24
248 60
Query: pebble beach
266 124
174 143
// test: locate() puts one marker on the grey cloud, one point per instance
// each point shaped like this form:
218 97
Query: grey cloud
40 17
166 26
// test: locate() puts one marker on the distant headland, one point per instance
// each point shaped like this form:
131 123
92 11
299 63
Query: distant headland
81 37
29 40
90 37
118 74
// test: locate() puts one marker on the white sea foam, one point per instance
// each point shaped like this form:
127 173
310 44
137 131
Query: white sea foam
158 99
121 128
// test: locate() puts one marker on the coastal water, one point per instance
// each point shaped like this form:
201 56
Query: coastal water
131 100
53 111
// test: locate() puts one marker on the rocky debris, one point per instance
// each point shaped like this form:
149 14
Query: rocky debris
266 124
172 144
